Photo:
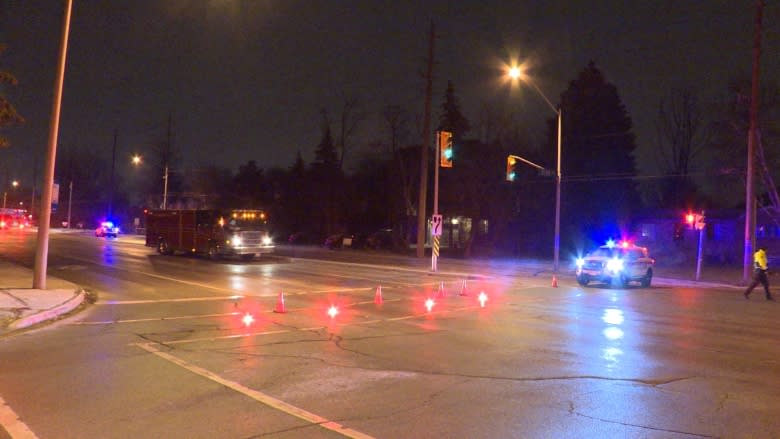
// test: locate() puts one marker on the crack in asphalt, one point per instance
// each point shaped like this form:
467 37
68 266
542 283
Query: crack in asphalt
573 411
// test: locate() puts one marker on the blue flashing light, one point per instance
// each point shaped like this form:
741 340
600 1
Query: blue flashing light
611 243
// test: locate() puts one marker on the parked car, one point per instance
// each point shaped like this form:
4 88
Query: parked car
381 239
338 240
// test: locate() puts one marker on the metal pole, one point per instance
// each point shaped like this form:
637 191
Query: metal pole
70 197
437 165
5 194
557 244
42 247
111 185
750 211
699 257
422 220
165 188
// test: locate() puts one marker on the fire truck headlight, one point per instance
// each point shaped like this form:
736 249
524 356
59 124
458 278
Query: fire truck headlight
236 240
267 240
615 265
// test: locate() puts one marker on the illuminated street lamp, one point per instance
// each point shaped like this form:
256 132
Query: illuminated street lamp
515 73
14 184
136 160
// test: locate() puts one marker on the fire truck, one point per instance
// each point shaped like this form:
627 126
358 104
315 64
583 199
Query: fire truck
212 232
14 219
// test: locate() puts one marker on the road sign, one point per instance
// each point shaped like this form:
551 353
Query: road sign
436 225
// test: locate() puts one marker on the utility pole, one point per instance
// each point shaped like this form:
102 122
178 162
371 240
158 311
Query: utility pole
111 186
750 205
42 245
422 219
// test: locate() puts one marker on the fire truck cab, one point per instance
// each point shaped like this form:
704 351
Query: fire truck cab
212 232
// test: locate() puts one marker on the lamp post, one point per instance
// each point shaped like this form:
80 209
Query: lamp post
136 160
165 187
516 73
14 184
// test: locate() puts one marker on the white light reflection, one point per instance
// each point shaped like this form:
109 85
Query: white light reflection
237 283
612 355
613 316
613 333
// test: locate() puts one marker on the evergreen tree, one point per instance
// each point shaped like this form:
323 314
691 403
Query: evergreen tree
249 186
597 162
451 119
327 188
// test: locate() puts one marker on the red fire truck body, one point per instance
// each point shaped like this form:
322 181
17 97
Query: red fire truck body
212 232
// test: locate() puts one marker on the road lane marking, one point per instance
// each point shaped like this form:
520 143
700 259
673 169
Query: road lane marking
185 299
12 424
257 395
155 319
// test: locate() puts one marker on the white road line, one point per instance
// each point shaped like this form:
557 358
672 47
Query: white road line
257 395
154 319
185 299
12 424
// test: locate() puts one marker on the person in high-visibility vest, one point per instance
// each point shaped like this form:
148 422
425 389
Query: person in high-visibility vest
760 268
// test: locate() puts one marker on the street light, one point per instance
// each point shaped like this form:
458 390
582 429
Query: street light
515 73
14 184
136 160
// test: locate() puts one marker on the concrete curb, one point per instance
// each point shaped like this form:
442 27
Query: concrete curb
50 314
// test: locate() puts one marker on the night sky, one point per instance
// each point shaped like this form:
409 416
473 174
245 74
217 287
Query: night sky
246 80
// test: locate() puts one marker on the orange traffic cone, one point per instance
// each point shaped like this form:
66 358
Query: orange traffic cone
463 291
554 282
378 295
280 304
440 293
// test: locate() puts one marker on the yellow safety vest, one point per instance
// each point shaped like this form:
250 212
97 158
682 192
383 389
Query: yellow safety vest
759 260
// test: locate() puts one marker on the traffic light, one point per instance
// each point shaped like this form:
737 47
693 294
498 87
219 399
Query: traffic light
690 219
511 162
695 220
445 149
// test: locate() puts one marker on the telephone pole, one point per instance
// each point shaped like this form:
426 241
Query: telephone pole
750 196
422 219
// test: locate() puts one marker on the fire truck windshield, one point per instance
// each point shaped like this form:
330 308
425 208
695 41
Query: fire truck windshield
245 220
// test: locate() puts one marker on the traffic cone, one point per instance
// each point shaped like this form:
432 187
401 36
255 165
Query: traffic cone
440 293
280 304
378 295
463 291
554 282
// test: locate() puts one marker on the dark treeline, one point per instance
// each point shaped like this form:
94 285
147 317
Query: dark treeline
311 201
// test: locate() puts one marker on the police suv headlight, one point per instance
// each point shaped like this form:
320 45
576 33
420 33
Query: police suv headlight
579 262
236 240
267 240
615 265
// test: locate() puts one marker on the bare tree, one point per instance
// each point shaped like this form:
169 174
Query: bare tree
8 114
680 140
397 126
350 118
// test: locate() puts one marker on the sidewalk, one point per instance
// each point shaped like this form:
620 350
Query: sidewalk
21 306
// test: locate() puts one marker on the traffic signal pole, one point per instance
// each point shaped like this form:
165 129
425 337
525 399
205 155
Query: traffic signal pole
435 238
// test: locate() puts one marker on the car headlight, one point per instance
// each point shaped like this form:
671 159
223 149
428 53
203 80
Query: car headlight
236 240
267 240
579 262
615 265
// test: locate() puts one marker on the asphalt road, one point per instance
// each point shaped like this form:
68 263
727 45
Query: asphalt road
165 352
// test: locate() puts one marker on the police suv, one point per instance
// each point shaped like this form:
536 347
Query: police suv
617 264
